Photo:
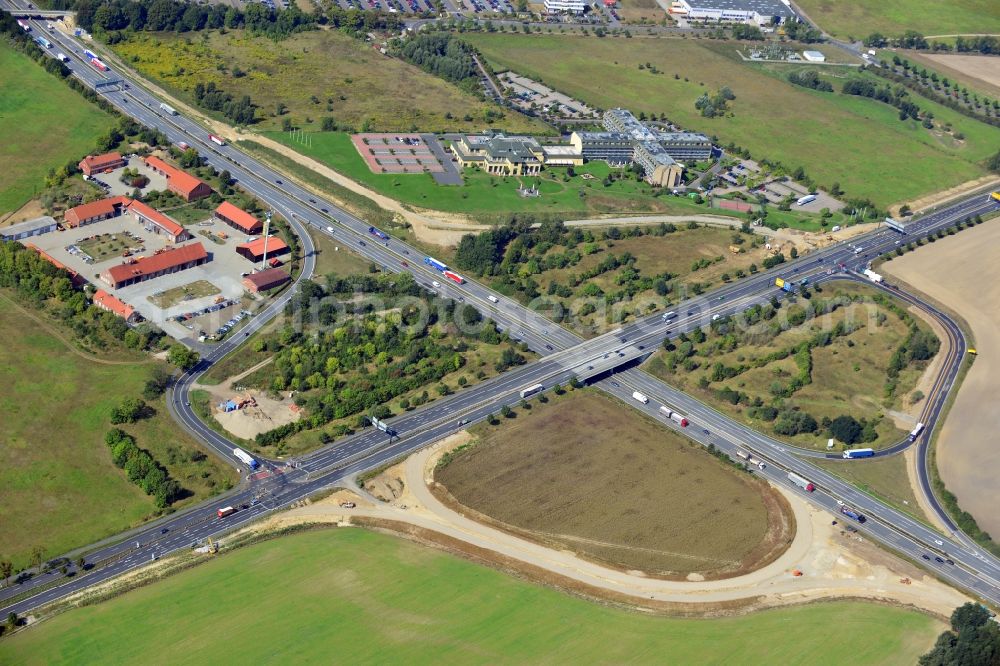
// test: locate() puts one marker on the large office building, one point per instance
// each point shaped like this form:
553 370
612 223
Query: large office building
500 155
565 6
658 167
612 147
756 12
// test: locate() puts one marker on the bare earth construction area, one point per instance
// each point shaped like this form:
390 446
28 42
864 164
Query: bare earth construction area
585 474
967 456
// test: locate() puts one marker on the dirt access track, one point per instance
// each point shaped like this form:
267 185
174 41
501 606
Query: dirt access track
962 272
833 563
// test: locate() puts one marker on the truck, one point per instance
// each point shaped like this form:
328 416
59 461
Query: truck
532 390
44 43
676 417
226 511
915 432
492 299
783 284
378 233
873 276
454 277
851 513
851 454
96 62
89 54
895 225
246 458
24 25
995 197
216 139
435 264
62 57
168 109
809 198
750 460
804 484
641 397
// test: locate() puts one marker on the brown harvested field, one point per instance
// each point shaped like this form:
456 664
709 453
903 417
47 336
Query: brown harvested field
963 272
586 474
981 72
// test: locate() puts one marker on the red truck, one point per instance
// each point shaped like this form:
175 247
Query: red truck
226 511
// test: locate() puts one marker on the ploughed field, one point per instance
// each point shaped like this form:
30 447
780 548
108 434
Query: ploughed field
584 473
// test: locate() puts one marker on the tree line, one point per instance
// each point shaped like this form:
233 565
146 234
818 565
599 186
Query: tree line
926 83
442 54
973 639
911 39
241 111
810 79
141 468
897 97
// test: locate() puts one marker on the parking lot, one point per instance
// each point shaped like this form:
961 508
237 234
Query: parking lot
224 272
528 93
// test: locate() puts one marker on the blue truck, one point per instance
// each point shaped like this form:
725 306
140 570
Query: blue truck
851 513
858 453
434 263
376 232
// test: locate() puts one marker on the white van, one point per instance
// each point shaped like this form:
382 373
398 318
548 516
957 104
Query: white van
667 316
435 284
492 299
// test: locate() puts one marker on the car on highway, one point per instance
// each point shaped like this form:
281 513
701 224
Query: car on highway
362 243
939 542
312 200
938 560
616 384
926 556
404 264
324 210
278 181
549 347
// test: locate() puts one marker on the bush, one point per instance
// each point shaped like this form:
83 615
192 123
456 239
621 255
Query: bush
846 429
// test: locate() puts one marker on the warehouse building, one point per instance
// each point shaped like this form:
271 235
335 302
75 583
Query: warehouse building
100 163
255 250
266 280
106 301
22 230
156 222
755 12
95 211
238 219
164 262
179 182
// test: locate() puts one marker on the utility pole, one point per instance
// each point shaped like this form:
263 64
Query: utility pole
267 227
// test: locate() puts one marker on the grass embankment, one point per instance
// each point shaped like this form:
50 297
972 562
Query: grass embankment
583 473
43 124
860 18
314 75
762 365
859 143
58 487
368 598
884 478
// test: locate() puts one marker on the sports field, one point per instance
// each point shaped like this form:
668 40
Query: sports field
353 596
314 75
43 124
857 142
585 473
755 367
860 18
58 486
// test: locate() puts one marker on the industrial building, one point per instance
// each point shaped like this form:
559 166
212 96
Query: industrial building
565 6
755 12
164 262
499 154
814 56
156 222
238 219
95 211
22 230
106 301
266 280
255 250
100 163
179 182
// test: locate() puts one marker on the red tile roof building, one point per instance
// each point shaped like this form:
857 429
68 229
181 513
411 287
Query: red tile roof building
179 182
238 219
106 301
94 211
254 250
98 163
164 262
265 280
155 221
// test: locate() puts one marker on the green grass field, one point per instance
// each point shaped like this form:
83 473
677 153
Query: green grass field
354 596
43 124
58 486
350 81
860 18
886 478
857 142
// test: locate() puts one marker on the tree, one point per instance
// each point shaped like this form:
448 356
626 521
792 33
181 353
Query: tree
37 555
972 640
506 412
81 563
993 163
329 124
182 357
6 569
130 411
846 429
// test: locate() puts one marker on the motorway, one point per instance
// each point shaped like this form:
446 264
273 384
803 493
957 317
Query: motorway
564 356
